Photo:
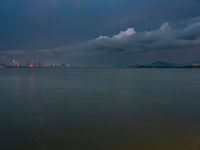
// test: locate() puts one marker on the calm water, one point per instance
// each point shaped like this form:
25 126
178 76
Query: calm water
99 109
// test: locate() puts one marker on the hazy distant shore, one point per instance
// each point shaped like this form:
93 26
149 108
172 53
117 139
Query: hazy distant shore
158 64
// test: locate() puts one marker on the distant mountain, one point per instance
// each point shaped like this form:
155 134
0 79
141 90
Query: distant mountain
163 64
159 64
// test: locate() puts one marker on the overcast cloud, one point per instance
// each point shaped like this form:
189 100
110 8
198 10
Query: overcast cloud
185 36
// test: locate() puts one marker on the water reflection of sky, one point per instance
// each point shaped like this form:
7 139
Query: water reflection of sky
31 81
75 109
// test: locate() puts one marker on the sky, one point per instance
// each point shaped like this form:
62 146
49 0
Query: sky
99 32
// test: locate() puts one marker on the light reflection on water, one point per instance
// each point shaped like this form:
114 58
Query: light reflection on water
31 85
19 83
105 109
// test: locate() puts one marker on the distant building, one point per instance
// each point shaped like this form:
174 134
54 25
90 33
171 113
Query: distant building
2 65
53 65
39 64
29 65
196 65
15 63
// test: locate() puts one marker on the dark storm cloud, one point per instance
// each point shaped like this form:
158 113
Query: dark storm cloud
126 43
61 30
130 41
43 24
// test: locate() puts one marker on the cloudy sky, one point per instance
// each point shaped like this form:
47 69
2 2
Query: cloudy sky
100 32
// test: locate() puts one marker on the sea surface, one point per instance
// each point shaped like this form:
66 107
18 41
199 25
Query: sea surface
99 109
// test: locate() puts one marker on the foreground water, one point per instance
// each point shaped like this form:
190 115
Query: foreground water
99 109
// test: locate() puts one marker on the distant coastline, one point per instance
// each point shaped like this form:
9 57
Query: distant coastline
157 64
163 64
